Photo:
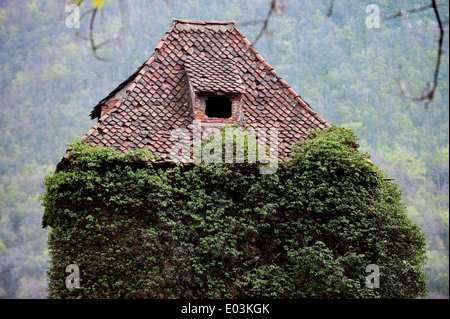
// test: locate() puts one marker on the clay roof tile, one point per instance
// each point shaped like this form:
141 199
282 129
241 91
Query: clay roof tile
207 56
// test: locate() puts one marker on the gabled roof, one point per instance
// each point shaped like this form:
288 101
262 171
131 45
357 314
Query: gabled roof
142 111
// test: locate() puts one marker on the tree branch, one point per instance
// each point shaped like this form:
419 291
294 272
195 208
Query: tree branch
266 23
330 9
243 24
91 36
276 6
429 95
400 13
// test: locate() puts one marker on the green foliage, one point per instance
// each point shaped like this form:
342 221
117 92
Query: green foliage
225 231
3 249
41 111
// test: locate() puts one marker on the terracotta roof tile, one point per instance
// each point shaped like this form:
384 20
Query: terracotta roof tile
208 56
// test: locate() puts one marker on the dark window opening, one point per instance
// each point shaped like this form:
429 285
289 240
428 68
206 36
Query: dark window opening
218 107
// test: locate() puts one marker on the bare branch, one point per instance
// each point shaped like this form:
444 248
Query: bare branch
330 9
266 23
243 24
91 36
431 89
86 13
276 6
115 37
397 14
429 94
400 13
273 260
78 34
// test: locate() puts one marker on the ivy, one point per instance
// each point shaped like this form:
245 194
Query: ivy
226 231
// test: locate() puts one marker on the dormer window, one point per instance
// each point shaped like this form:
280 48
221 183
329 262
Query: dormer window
218 106
216 89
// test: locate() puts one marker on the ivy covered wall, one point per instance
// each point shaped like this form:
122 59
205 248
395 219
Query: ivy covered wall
226 231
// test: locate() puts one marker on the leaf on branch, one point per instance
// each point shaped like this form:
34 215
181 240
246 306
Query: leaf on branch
98 3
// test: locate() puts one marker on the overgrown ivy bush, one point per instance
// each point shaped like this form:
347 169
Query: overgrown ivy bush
226 231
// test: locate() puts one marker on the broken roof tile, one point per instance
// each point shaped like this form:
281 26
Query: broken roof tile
207 56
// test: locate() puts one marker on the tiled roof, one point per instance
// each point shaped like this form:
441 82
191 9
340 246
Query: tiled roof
156 99
213 75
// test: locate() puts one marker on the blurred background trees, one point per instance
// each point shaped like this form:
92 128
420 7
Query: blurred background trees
50 81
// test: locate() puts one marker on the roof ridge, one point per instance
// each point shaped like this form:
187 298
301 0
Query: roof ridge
203 22
192 57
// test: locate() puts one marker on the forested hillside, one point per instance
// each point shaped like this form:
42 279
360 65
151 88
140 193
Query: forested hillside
50 81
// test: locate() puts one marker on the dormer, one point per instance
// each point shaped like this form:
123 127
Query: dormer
216 90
